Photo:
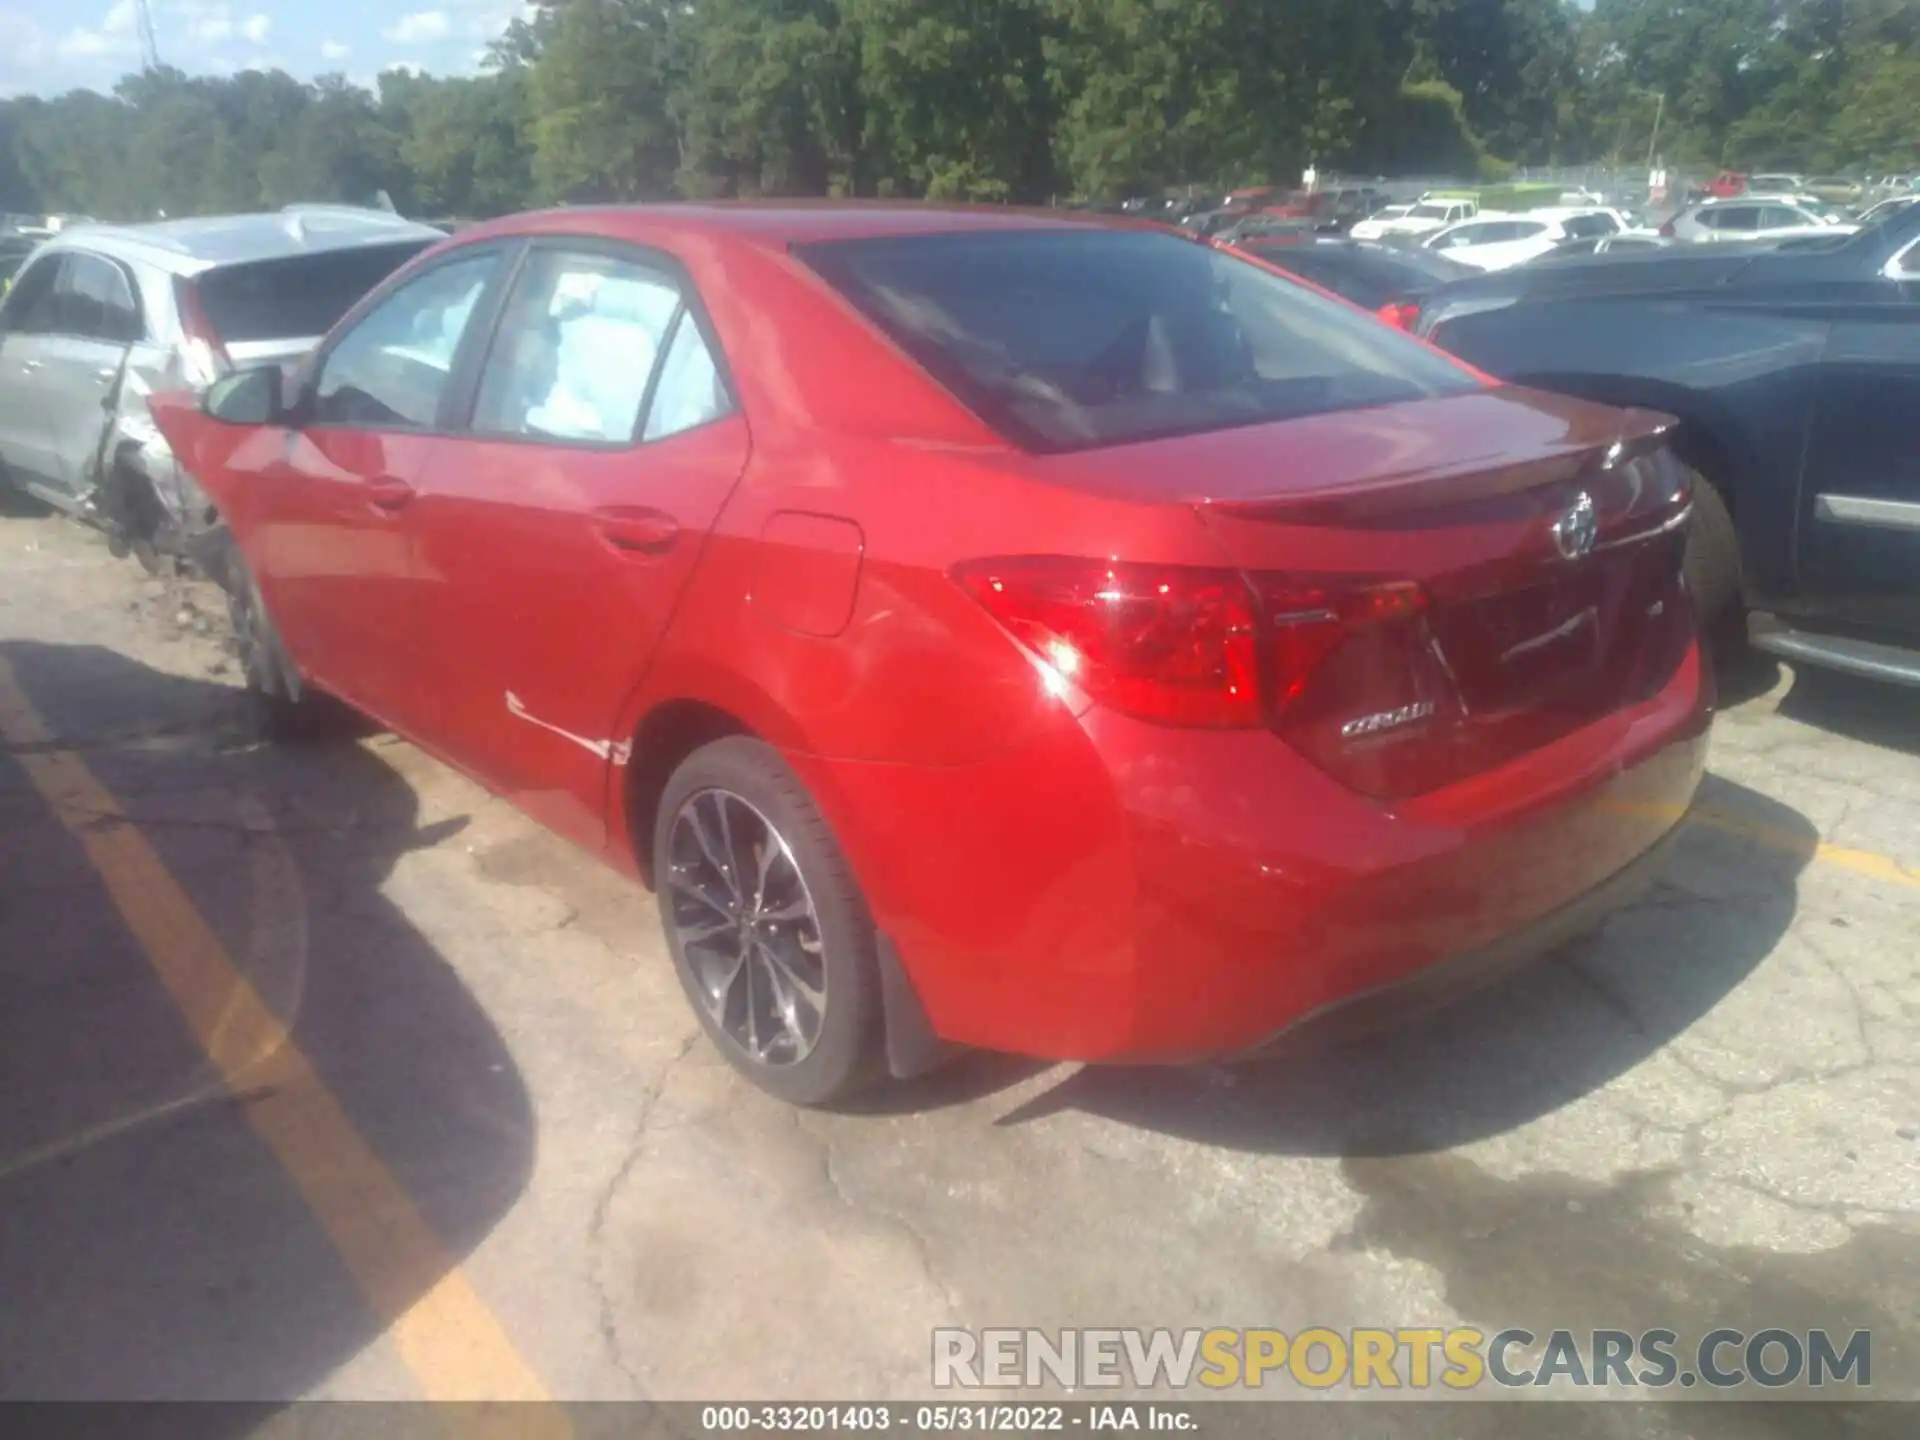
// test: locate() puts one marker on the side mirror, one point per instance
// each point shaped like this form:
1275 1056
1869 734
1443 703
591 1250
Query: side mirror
255 396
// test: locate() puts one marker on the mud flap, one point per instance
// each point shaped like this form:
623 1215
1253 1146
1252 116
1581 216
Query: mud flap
912 1047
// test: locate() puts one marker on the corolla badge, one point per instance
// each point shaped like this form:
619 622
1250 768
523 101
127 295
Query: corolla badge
1575 532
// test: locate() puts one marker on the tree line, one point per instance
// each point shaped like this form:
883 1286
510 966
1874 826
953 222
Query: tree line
1017 100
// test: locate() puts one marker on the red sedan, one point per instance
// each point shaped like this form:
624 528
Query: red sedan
981 628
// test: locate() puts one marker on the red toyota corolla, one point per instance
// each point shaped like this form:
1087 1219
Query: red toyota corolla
981 628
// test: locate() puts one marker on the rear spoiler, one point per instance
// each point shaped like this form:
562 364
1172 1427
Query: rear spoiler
1641 433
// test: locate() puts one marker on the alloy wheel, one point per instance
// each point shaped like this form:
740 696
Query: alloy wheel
746 927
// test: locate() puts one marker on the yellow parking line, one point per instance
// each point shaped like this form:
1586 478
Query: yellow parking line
1861 862
454 1345
1774 837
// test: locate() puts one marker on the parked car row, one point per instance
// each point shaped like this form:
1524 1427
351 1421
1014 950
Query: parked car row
1037 632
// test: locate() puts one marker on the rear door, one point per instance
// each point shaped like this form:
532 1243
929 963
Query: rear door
26 322
1732 222
557 536
1859 533
97 320
333 544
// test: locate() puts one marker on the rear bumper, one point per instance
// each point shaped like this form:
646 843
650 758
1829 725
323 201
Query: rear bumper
1448 981
1123 892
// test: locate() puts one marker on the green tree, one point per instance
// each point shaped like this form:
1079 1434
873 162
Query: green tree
956 97
768 101
599 89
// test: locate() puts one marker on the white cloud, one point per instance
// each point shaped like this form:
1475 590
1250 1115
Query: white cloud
422 28
23 51
84 45
489 19
114 37
256 28
199 22
333 50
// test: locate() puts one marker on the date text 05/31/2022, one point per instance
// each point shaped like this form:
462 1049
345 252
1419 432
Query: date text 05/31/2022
946 1419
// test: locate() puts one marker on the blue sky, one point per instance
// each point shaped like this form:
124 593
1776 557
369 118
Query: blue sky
47 46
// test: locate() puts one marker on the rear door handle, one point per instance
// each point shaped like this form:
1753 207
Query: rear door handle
637 532
388 493
29 366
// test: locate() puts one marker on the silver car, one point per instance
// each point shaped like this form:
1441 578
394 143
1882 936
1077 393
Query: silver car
1755 217
102 316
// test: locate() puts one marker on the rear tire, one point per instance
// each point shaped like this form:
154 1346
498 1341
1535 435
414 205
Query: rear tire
769 932
1713 571
287 708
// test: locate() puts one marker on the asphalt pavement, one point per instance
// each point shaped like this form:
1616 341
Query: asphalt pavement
325 1074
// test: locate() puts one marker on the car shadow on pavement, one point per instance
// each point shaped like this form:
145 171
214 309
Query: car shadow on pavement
1870 711
17 504
1536 1041
188 1211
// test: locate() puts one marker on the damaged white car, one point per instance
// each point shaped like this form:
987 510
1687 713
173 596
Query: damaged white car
103 316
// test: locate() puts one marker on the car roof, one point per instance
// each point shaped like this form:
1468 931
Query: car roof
188 247
778 224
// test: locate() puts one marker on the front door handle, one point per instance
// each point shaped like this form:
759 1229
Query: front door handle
388 493
29 366
637 532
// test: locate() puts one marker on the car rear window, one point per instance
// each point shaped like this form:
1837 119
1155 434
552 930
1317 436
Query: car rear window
297 297
1068 340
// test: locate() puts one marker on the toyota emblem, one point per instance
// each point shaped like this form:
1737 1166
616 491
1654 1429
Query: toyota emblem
1574 533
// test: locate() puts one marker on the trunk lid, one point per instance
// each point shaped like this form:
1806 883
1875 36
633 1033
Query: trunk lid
1448 584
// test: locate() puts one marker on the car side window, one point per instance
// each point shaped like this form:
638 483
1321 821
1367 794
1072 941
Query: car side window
391 370
576 347
30 303
94 301
1908 262
690 390
1780 217
1739 217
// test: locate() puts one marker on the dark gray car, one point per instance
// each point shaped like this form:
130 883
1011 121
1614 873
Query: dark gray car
100 317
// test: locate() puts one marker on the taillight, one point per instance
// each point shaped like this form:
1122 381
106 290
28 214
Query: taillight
206 358
1667 230
1402 315
1168 643
1185 645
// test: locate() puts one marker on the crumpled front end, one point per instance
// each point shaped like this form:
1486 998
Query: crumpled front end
151 505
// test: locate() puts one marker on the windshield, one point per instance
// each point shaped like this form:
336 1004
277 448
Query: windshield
1429 212
1070 339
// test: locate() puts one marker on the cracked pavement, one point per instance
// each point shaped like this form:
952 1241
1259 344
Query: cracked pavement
1708 1115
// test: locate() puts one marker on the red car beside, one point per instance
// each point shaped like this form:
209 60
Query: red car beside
980 628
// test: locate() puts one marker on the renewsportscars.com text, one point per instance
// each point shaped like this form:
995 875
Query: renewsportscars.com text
1461 1358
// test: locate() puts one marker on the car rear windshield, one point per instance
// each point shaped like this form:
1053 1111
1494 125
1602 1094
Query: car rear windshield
1068 340
297 297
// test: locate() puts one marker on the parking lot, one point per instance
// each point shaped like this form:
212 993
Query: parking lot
325 1074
